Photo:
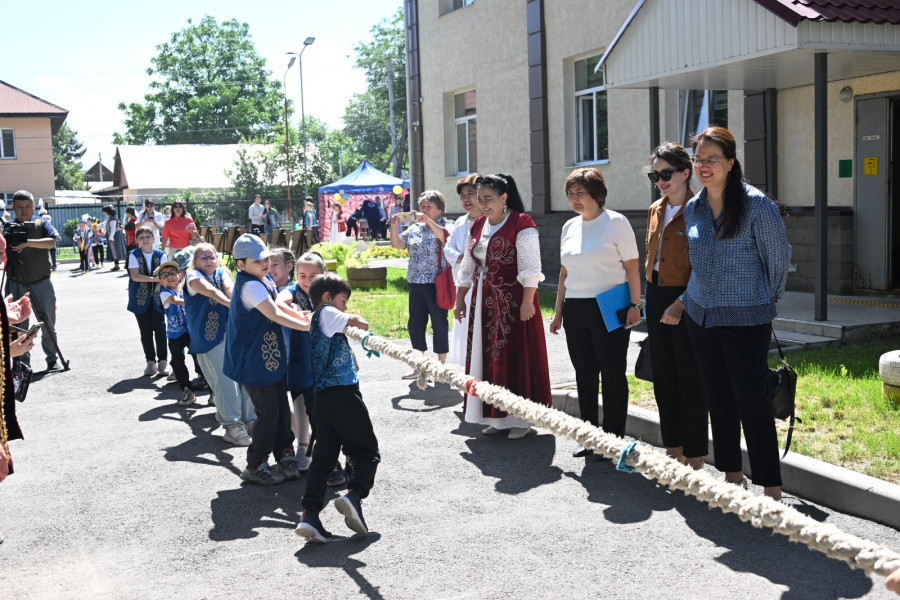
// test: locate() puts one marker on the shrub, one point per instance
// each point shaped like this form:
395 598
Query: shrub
336 252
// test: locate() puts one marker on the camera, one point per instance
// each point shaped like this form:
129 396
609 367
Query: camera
16 233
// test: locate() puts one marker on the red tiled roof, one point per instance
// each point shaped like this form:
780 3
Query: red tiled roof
844 11
18 103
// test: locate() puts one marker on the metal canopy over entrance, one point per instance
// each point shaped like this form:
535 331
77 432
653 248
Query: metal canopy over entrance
752 45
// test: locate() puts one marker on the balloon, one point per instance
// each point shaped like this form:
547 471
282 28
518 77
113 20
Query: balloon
341 201
337 197
346 196
397 190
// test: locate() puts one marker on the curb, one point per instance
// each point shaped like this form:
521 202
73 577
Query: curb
835 487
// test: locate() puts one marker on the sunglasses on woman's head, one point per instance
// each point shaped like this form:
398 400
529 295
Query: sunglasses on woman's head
665 175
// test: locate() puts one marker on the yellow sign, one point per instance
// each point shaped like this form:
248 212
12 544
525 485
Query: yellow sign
870 165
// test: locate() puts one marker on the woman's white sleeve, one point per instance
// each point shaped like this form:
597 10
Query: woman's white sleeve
453 249
528 252
466 269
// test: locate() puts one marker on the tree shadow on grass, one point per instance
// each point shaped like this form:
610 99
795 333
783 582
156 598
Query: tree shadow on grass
338 554
518 465
806 573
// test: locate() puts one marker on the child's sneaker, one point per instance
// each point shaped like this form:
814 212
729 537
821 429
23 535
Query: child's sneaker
337 477
263 475
163 367
151 368
237 435
303 462
172 377
350 506
310 528
200 384
187 397
287 466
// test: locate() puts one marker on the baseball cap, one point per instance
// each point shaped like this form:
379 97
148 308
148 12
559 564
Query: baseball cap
184 258
164 266
250 246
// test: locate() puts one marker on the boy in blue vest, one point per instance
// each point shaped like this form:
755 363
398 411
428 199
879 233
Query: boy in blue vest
255 356
172 301
341 418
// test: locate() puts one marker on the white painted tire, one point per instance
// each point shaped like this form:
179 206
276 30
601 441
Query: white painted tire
889 368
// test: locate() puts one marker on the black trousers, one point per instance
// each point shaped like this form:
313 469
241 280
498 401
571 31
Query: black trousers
341 419
352 226
734 367
177 347
83 257
597 354
683 420
422 304
152 325
272 432
98 253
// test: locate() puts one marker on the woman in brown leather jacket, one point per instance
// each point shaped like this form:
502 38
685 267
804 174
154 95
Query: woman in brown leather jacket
676 382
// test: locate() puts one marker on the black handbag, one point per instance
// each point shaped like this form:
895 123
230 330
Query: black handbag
21 374
643 367
783 390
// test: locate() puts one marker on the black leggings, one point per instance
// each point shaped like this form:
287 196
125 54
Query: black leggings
422 304
153 329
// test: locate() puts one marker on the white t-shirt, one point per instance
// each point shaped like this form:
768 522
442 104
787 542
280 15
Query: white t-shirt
332 321
148 258
593 252
253 293
671 211
191 275
166 296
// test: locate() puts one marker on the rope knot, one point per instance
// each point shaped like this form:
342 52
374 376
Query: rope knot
470 386
369 352
621 466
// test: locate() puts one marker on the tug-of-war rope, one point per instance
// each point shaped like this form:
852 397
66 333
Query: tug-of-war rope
759 511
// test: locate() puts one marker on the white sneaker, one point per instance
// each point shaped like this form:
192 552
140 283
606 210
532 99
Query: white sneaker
303 462
490 430
151 368
163 367
517 433
237 435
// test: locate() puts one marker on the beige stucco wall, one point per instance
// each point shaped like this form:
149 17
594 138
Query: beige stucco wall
32 169
796 136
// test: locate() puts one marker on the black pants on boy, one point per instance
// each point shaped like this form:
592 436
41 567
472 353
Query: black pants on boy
153 328
272 433
83 257
98 254
341 419
179 367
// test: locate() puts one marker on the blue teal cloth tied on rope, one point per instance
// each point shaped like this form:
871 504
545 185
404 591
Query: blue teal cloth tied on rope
369 352
622 466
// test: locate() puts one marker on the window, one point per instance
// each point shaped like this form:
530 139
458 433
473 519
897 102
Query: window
7 143
698 109
591 125
455 4
447 6
466 138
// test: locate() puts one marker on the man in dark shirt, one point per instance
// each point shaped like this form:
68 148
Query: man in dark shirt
28 265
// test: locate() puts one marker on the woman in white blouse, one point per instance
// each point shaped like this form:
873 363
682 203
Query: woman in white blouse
598 251
454 250
508 348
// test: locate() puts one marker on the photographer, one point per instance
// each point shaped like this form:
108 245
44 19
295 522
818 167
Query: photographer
28 266
152 219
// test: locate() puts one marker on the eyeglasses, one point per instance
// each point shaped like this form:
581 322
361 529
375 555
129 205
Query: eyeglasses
665 174
168 274
205 257
712 161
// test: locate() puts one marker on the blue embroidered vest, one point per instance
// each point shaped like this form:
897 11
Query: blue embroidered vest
140 295
254 345
300 373
175 321
206 318
332 359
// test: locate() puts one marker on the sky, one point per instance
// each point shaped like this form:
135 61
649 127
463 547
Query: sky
87 57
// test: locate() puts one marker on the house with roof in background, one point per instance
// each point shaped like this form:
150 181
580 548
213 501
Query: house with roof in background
27 125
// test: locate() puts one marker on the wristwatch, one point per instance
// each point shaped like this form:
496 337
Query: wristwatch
639 306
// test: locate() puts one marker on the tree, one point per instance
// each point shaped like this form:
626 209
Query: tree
367 116
210 86
67 153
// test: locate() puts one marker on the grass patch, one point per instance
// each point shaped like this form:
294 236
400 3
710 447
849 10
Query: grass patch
846 421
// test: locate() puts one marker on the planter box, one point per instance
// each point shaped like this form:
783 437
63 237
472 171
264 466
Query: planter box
367 277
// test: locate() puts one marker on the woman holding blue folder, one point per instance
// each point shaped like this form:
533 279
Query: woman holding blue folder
598 252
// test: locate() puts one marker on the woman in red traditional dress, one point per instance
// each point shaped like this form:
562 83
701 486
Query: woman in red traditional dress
506 334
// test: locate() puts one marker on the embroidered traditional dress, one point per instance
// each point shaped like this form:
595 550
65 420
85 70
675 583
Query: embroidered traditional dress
502 260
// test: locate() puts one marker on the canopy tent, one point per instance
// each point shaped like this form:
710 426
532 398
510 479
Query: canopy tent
365 183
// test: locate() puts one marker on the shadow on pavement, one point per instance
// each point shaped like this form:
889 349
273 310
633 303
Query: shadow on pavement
519 465
240 512
337 554
629 498
127 386
429 400
773 557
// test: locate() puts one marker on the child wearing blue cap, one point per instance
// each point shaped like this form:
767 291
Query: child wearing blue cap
255 356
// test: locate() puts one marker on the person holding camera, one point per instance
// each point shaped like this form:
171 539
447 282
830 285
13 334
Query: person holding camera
28 268
152 219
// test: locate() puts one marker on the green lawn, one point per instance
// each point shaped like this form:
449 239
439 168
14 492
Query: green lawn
846 421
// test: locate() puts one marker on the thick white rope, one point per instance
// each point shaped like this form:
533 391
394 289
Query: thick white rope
760 511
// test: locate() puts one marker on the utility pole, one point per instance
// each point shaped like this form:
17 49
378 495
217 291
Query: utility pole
390 83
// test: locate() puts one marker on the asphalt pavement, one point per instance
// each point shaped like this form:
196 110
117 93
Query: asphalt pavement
119 493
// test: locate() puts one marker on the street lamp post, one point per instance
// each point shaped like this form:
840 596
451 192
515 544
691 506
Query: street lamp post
306 43
287 139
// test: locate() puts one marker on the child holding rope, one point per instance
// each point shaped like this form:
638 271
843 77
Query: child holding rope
172 300
340 416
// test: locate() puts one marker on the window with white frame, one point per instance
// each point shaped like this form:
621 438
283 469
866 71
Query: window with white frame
466 139
591 124
7 143
447 6
455 4
698 109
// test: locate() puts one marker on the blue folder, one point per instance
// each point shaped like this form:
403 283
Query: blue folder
612 300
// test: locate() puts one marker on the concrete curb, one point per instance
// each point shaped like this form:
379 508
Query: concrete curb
838 488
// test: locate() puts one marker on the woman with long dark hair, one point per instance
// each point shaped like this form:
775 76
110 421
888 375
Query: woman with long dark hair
740 256
507 347
177 230
676 383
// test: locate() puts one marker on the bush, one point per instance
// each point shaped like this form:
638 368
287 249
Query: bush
69 227
336 252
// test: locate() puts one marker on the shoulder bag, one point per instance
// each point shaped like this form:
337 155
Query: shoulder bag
443 283
643 367
783 390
